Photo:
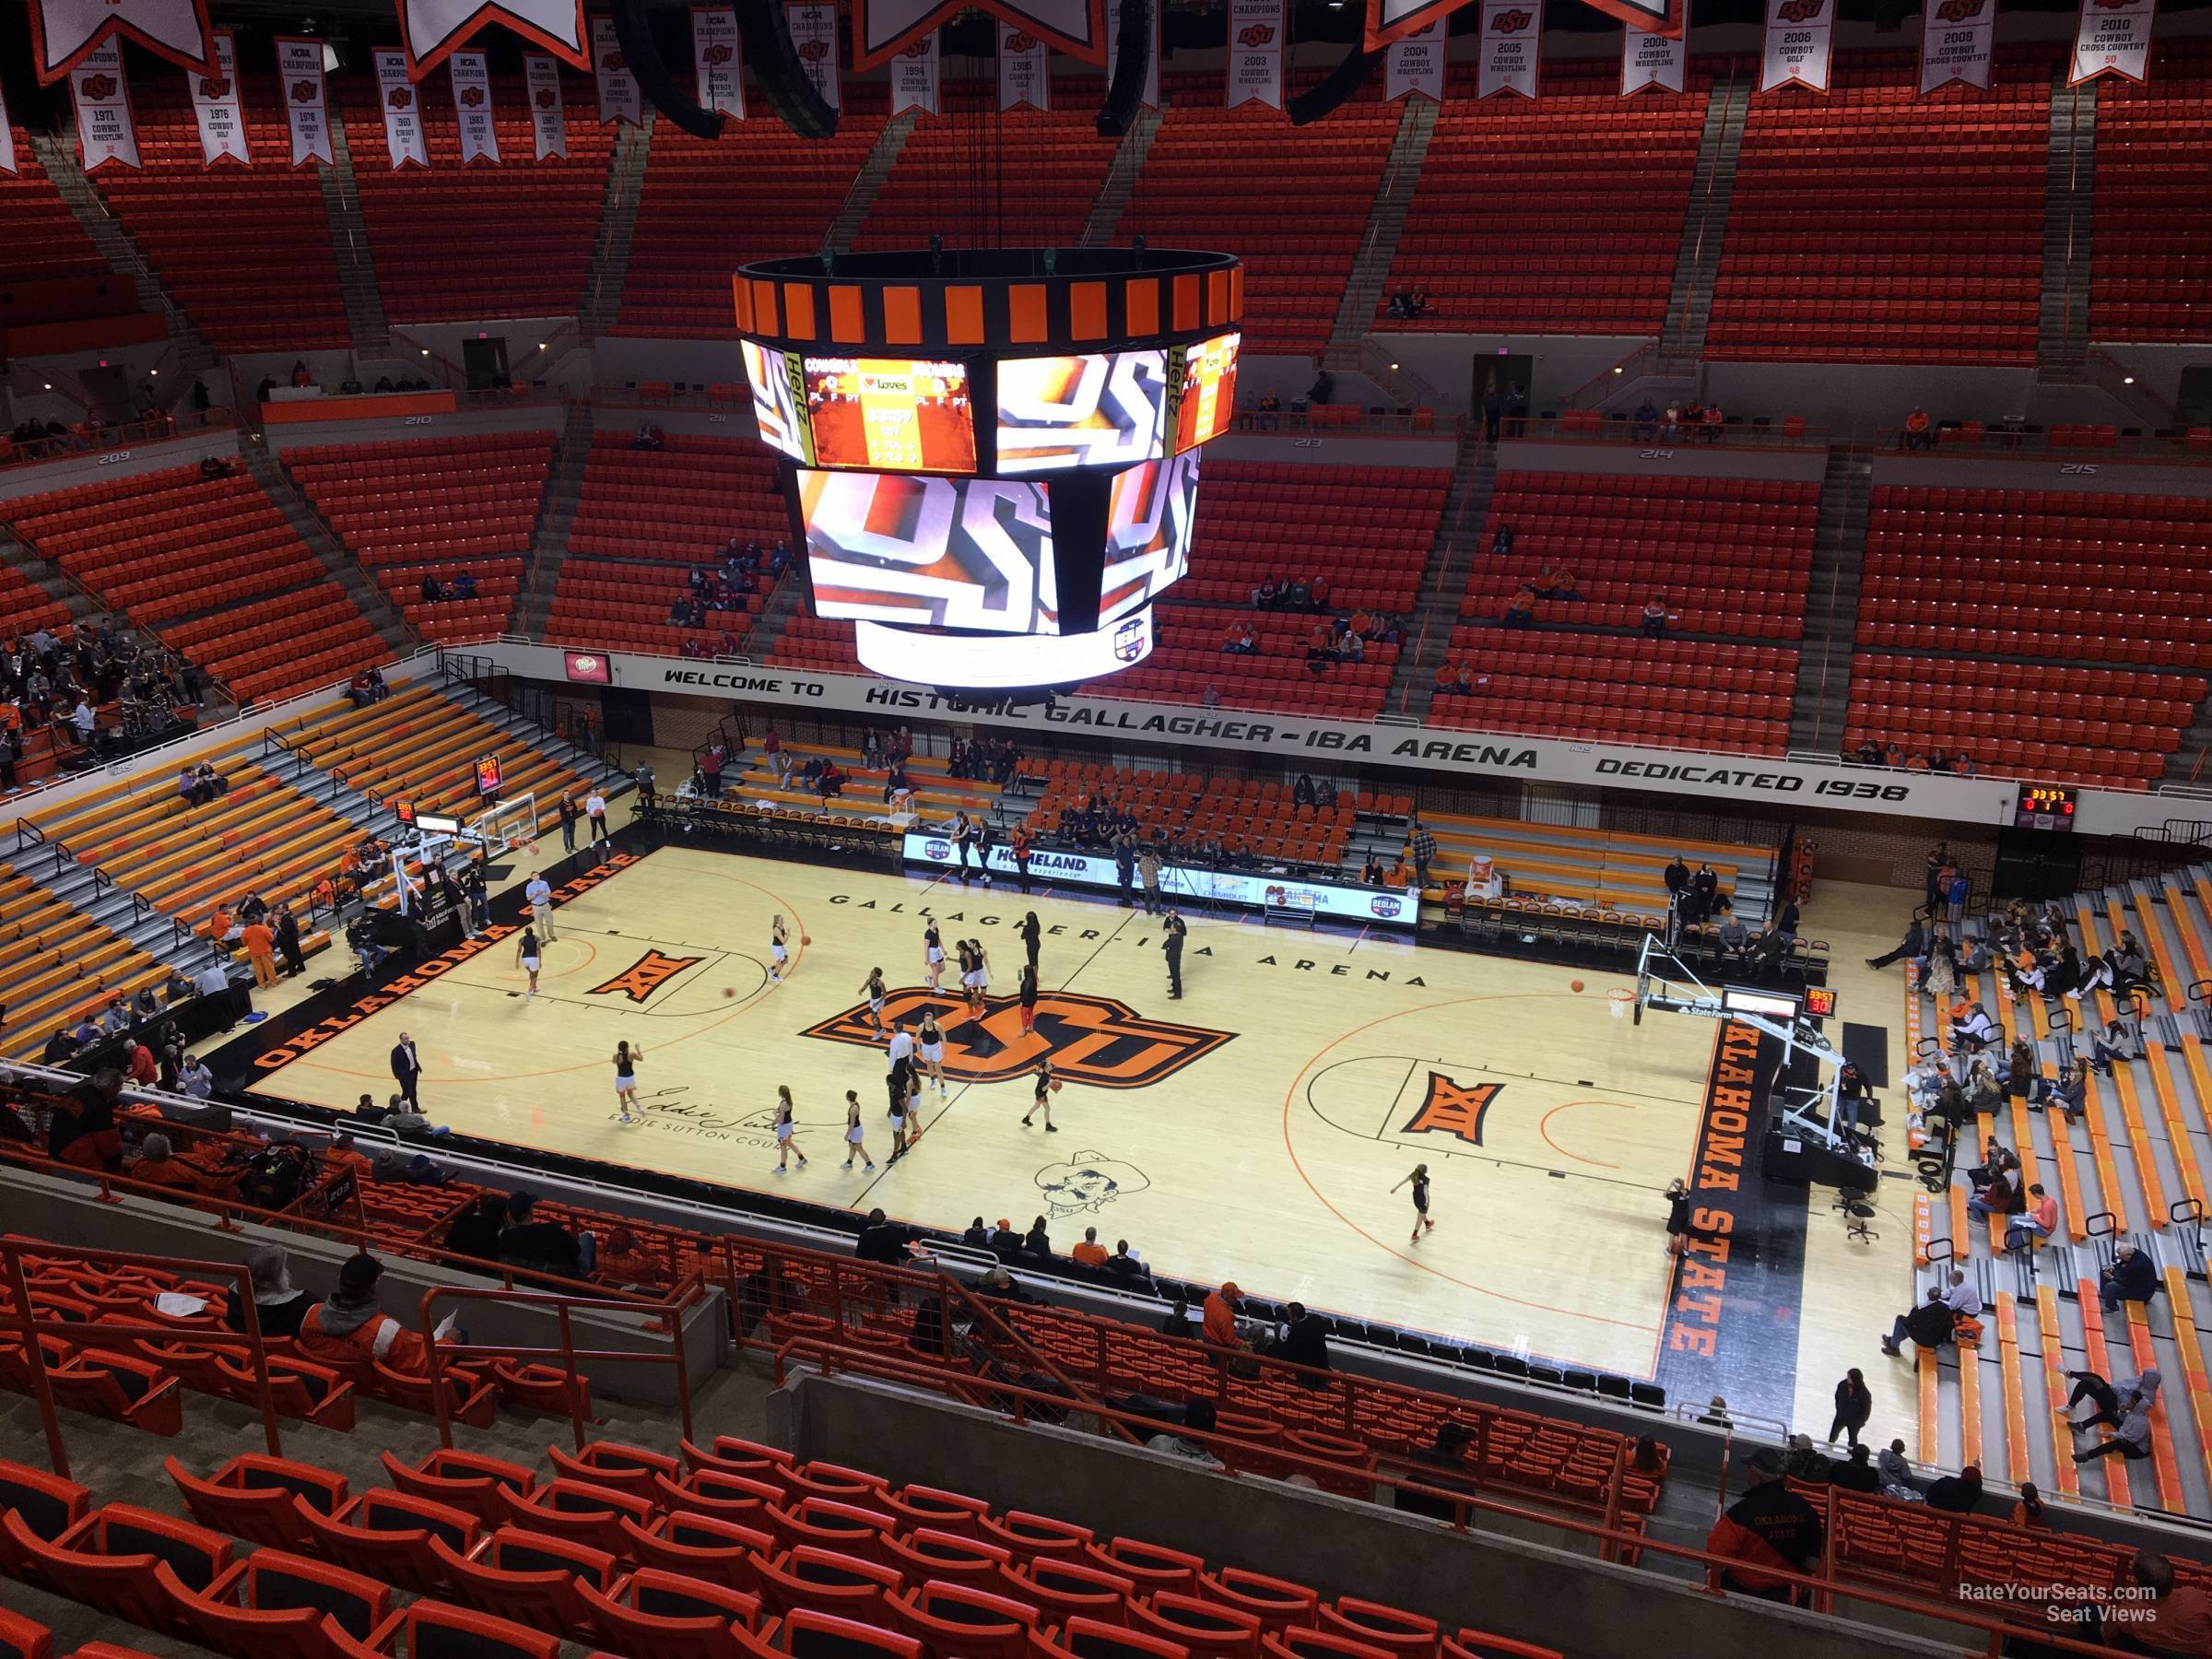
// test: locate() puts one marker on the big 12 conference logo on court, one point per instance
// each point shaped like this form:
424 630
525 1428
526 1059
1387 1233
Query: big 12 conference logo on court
1097 1041
1452 1108
644 976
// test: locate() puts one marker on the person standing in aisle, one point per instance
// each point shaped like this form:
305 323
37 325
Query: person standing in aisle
1419 1180
594 807
1173 944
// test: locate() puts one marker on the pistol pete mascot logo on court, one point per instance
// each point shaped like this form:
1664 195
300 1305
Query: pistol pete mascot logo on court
1093 1039
644 976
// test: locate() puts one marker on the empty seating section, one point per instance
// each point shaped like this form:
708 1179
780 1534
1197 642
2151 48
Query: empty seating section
1606 867
1559 217
1672 692
1366 530
810 643
1218 177
2152 229
2114 726
434 510
54 274
510 239
1051 163
1258 814
279 295
645 520
57 964
171 544
1188 659
1727 556
710 204
1876 224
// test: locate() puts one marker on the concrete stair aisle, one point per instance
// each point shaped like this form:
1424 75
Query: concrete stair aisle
555 513
27 561
1436 608
618 223
365 320
1378 243
2188 763
368 598
2063 322
455 688
1704 228
91 893
867 181
1831 611
782 606
1121 179
194 356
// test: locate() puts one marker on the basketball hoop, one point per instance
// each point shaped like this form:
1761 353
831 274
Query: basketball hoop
1621 1000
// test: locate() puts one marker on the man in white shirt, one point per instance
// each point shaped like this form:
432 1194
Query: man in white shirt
594 808
902 1048
539 892
1961 1297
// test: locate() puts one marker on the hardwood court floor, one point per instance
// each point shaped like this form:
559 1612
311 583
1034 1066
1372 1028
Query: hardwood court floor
1250 1131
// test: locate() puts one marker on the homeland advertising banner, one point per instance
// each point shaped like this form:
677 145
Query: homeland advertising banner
306 105
1799 36
814 38
472 107
618 97
914 77
548 117
1025 77
1652 60
2112 37
1255 52
215 106
104 130
716 56
1417 65
1511 36
1957 39
1114 43
403 114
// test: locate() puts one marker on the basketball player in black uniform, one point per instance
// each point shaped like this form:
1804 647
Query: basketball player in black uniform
1420 1178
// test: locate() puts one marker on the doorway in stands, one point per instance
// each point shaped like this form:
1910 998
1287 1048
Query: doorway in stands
484 359
1500 372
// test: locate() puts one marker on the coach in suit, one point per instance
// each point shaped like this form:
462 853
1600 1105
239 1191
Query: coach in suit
1172 944
406 1067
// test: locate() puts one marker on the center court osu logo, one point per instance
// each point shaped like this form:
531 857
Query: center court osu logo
1099 1040
1454 1109
644 976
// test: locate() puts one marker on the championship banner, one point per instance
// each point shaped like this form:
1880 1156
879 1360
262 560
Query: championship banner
914 77
548 117
715 55
1255 52
403 115
306 100
104 132
2113 37
1389 20
1652 60
471 77
1957 37
65 33
215 105
884 29
618 96
1024 71
1150 99
8 139
1800 34
430 31
1417 65
814 38
1510 45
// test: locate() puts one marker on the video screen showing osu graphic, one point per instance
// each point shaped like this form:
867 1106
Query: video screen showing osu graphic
776 409
1086 409
1206 398
890 414
1148 520
974 553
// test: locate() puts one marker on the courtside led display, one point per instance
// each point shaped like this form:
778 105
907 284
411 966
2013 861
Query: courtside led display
1206 397
890 414
1147 533
776 409
1088 409
930 552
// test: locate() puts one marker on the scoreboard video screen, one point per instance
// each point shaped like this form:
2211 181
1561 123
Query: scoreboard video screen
1148 521
1204 377
974 553
1085 409
776 407
890 414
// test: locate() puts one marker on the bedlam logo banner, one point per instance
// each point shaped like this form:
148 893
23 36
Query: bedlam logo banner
1025 79
403 141
1417 65
1799 39
306 99
620 99
1656 61
2112 37
914 77
814 38
1150 97
215 106
104 130
1511 42
548 115
1957 40
1097 1041
1255 52
66 33
718 60
472 107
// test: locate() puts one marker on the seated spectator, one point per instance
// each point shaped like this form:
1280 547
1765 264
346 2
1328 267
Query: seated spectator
277 1307
1920 432
1091 1253
1197 1419
1370 873
2175 1621
1037 1243
1126 1264
348 1330
1523 610
1929 1325
476 1231
544 1246
156 1167
1654 617
2036 1224
1645 421
1709 427
626 1262
1501 540
1302 1340
1958 1494
648 436
1558 582
1853 1473
2131 1278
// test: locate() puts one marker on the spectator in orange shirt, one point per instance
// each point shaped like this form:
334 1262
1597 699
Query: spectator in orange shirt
222 927
625 1261
2177 1620
1091 1253
155 1166
343 1156
1396 876
350 1331
1445 676
1218 1324
260 951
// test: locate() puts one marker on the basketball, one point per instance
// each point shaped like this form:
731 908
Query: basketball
729 991
1574 984
1055 1085
806 939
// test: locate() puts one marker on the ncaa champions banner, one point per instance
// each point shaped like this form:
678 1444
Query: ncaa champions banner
2112 37
1799 36
548 117
814 38
471 77
65 33
914 77
1957 37
720 63
1025 77
104 130
884 29
1255 52
8 139
1150 97
306 100
403 113
1652 60
430 30
1417 65
215 106
1512 34
618 96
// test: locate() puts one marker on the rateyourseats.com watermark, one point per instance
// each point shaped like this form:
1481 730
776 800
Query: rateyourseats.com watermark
2063 1603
